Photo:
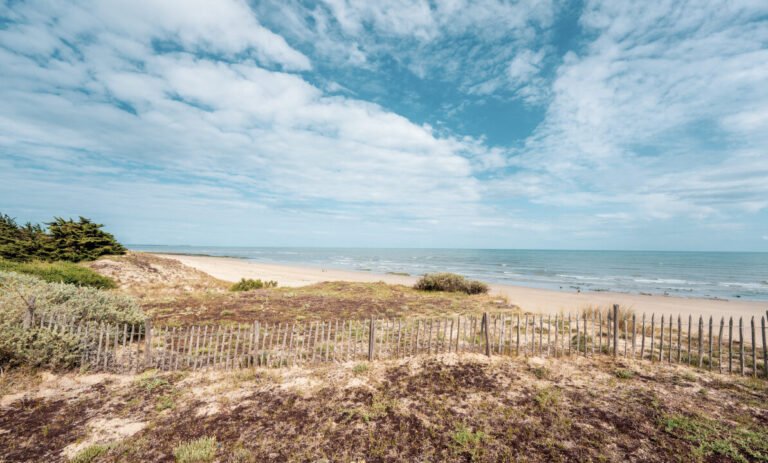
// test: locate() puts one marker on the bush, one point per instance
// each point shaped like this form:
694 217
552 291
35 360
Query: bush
249 284
65 240
450 282
197 451
64 300
42 347
38 347
59 272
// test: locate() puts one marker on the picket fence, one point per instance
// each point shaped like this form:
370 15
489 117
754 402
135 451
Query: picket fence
703 343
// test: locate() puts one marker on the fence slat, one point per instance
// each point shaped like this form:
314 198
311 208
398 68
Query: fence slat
741 346
679 338
720 345
730 345
710 342
765 348
661 340
371 336
754 348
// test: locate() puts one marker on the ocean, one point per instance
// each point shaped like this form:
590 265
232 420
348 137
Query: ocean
727 275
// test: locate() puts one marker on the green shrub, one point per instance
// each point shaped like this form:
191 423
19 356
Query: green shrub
360 368
42 347
201 450
250 284
38 347
59 272
90 453
63 300
467 442
450 282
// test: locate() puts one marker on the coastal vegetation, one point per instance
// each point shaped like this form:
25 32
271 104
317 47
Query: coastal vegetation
59 272
450 282
447 407
62 240
249 284
26 299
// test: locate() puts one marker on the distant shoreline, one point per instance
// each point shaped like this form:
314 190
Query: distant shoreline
530 299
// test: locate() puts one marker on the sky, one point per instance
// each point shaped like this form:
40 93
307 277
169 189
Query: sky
443 123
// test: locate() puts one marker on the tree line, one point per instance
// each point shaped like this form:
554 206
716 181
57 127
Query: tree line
59 240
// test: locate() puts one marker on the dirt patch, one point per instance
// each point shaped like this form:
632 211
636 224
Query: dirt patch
104 431
450 408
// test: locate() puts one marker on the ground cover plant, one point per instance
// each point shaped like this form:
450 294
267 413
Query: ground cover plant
172 293
446 408
59 272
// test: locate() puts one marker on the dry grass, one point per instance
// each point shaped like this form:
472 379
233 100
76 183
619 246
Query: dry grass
450 408
176 294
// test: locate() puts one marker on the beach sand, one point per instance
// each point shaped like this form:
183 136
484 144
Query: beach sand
529 299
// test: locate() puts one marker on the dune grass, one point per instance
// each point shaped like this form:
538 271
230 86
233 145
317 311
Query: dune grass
59 272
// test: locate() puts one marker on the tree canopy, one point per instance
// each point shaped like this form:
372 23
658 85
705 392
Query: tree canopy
64 239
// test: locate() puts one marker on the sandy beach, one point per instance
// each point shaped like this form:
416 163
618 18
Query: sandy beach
530 299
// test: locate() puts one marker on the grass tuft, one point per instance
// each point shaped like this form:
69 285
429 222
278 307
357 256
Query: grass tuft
712 438
468 442
202 450
90 453
59 272
360 368
624 374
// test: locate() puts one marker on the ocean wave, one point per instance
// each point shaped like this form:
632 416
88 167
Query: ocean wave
737 284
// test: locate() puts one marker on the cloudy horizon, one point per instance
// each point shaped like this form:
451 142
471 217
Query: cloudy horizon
529 124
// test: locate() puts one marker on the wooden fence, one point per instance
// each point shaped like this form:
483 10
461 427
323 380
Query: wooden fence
724 345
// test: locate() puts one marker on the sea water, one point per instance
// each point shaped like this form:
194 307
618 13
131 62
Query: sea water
727 275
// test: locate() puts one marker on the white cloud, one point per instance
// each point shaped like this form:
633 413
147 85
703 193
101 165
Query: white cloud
467 43
661 111
266 135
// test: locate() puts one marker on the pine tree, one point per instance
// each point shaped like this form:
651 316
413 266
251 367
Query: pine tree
65 240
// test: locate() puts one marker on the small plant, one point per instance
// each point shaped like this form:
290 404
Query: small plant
165 403
541 372
242 455
248 284
547 398
149 381
360 368
90 453
468 442
624 373
713 438
450 282
202 450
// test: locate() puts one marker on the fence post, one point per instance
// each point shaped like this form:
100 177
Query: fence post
615 330
765 348
485 329
371 337
148 342
29 314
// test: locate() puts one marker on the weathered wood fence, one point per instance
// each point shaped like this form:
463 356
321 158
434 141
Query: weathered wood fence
725 345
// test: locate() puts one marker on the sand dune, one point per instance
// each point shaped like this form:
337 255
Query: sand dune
530 299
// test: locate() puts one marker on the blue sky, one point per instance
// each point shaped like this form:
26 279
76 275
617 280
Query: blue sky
492 124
